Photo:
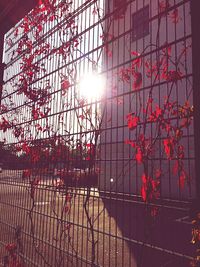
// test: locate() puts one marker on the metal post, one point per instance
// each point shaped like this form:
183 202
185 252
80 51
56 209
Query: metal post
1 64
196 88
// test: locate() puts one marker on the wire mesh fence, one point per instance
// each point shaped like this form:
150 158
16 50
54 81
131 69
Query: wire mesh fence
97 136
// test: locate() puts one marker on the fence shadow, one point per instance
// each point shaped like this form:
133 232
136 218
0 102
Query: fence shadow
157 241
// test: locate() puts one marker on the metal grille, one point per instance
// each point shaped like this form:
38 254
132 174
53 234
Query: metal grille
88 95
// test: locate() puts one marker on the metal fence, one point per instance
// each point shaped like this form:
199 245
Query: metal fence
97 136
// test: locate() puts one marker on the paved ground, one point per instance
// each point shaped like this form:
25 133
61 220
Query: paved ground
123 232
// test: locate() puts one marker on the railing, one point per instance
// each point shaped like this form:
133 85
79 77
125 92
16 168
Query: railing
97 136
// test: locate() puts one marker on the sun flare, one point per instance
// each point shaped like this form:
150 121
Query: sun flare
91 86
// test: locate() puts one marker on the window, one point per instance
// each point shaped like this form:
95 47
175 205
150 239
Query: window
140 23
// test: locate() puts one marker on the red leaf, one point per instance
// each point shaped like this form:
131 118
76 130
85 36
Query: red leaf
158 111
167 50
164 6
132 121
144 187
136 62
175 16
173 75
158 173
124 74
4 124
39 27
182 179
139 156
181 153
65 85
137 80
11 247
26 148
168 147
129 142
144 193
26 174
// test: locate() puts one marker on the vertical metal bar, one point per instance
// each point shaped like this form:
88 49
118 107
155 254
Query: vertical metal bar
196 88
1 63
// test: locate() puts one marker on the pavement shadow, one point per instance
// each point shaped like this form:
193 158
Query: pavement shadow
154 241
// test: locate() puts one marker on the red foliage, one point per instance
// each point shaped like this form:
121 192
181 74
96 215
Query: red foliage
169 147
124 74
3 108
11 247
17 131
139 155
65 85
129 142
174 15
90 151
173 76
36 113
25 148
150 189
132 121
182 179
137 62
5 124
164 5
26 174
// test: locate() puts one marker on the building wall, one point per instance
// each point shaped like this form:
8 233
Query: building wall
120 172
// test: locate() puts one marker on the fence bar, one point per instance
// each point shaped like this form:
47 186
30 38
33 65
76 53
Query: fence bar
1 64
196 87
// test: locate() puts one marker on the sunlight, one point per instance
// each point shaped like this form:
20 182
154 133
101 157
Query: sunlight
91 86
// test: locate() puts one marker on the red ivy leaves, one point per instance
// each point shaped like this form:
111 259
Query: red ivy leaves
163 6
26 173
132 121
5 124
18 131
144 188
3 108
65 85
150 189
13 260
169 147
139 155
156 114
129 142
11 247
90 151
36 113
174 15
124 74
26 148
137 62
173 76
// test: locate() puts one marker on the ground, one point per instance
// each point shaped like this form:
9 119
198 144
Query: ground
123 231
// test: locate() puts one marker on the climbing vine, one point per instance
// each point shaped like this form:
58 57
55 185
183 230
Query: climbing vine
153 126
